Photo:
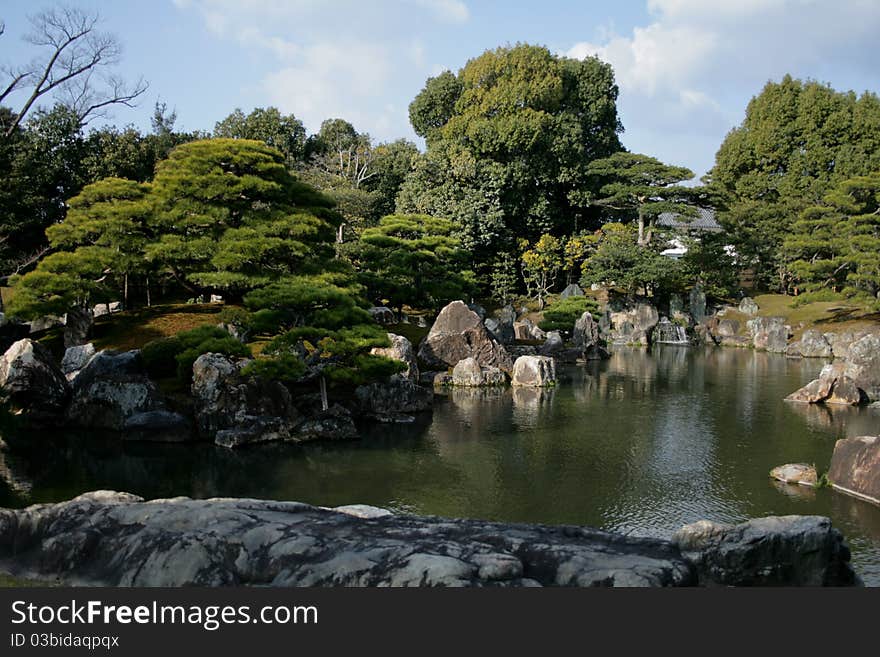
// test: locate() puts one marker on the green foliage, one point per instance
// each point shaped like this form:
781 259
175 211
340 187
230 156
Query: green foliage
798 140
284 133
563 313
412 259
166 356
621 262
286 368
836 246
709 263
540 266
504 279
509 141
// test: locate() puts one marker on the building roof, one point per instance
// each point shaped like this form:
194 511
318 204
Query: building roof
703 221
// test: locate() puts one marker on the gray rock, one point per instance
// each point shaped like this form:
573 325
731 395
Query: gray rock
382 315
812 344
553 345
45 323
697 304
76 358
586 332
400 349
157 426
111 388
100 310
249 409
477 308
36 387
631 321
748 306
393 400
846 392
469 373
796 473
503 331
114 307
240 542
335 423
855 467
772 551
572 290
769 334
77 326
863 365
534 371
727 328
457 334
240 333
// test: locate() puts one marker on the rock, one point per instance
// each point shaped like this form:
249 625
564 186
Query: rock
249 409
457 334
401 349
863 365
382 315
811 345
240 333
335 423
631 321
727 328
114 307
507 314
45 323
772 551
585 333
501 330
442 379
111 388
845 391
116 539
855 467
769 334
534 371
393 400
469 373
76 358
77 327
553 345
667 332
215 298
748 306
100 310
841 342
157 426
796 473
572 290
814 392
37 389
697 304
477 308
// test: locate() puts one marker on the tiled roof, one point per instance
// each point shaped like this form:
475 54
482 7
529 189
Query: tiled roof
704 220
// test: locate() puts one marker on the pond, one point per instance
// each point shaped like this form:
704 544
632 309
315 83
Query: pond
642 444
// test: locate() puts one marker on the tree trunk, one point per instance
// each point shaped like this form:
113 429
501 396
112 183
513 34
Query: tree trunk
148 292
324 404
125 292
641 226
78 326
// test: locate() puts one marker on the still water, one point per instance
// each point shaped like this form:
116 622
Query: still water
641 444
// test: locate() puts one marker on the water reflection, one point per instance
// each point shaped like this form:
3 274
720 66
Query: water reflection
641 443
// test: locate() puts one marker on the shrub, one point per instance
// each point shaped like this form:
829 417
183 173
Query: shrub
166 356
562 314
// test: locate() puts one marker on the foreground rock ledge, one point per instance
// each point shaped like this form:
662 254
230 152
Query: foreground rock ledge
117 539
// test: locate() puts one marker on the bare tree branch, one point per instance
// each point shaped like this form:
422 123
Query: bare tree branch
78 54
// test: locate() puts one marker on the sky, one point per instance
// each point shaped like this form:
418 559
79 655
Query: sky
686 68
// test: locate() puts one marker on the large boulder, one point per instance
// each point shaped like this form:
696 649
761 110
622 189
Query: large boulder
394 400
233 409
812 344
36 387
697 304
769 334
553 345
400 349
458 333
572 290
772 551
469 373
748 306
117 539
534 371
855 467
863 365
111 388
76 358
586 332
832 387
631 321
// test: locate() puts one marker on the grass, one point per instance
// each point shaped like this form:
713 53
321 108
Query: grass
134 329
9 581
835 316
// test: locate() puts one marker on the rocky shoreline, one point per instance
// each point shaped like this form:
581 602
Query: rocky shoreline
107 538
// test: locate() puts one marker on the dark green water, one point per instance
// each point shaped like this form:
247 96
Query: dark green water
641 444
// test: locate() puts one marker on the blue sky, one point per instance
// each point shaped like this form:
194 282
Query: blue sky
686 68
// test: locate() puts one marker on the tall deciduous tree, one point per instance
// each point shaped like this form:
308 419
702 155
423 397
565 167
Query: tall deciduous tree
74 68
798 140
509 139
